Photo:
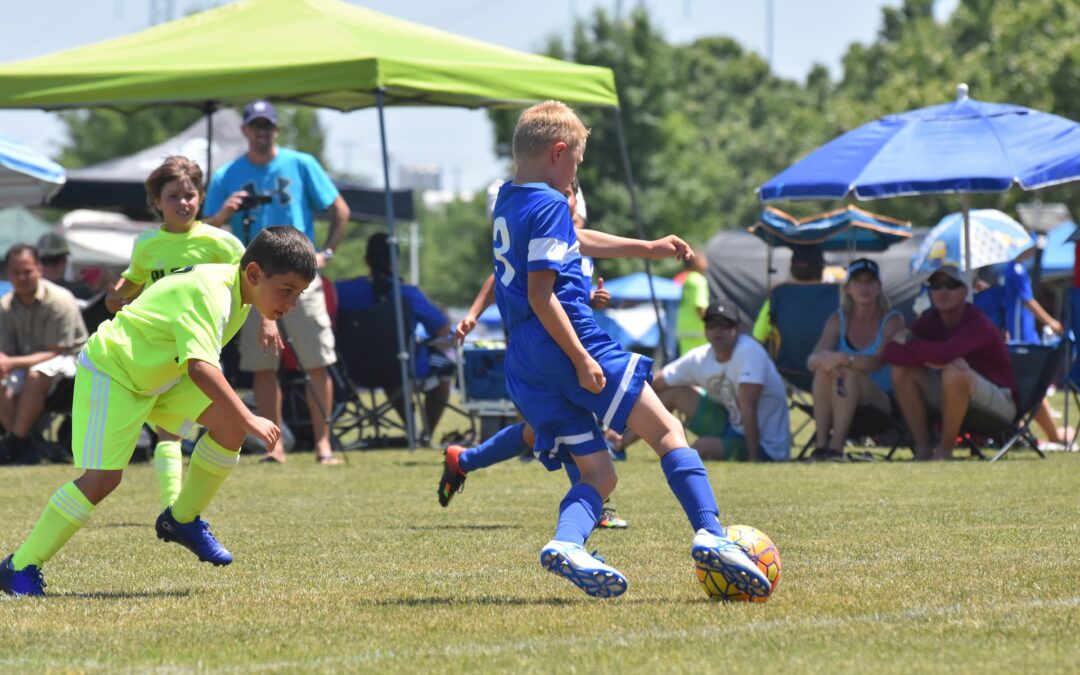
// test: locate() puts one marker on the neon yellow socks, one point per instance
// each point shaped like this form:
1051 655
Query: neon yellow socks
210 465
65 514
169 465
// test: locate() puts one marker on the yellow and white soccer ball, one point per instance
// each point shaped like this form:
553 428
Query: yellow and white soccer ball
760 549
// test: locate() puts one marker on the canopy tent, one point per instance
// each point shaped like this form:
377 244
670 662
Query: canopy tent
737 260
314 52
843 229
26 177
119 183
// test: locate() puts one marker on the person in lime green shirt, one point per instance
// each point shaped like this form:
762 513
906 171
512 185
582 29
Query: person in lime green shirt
175 191
158 361
695 298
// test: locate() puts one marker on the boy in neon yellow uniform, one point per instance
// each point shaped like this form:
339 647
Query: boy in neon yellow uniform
157 361
174 190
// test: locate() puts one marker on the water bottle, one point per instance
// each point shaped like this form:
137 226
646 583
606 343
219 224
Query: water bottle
1048 337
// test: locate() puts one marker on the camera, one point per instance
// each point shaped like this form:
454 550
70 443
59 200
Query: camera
252 201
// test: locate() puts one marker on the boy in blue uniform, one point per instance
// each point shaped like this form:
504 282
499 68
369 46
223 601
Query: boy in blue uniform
567 376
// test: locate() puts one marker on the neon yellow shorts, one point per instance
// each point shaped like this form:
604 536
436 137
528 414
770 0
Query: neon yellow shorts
106 417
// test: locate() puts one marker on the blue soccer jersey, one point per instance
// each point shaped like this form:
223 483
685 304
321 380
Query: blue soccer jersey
533 231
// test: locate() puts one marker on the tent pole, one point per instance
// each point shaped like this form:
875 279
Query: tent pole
208 108
636 213
399 315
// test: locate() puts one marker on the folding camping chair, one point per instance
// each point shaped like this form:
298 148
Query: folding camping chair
1071 382
1035 368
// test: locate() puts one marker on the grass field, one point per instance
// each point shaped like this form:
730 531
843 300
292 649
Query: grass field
888 567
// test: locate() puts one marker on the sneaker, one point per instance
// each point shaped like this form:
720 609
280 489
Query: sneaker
453 478
27 581
609 519
722 555
588 572
827 455
194 536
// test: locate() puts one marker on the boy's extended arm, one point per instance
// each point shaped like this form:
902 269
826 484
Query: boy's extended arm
603 245
484 299
210 380
543 302
124 292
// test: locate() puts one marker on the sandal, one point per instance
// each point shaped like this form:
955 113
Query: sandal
328 460
270 459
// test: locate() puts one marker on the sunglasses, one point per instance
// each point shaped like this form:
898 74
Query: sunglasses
721 324
946 285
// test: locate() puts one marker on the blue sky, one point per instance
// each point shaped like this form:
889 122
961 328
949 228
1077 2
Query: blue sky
804 33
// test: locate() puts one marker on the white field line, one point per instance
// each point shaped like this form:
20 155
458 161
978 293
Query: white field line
625 639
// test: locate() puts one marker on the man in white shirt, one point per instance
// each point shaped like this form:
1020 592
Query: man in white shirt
730 392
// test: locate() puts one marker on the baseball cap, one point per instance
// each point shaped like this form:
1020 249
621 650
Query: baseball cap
807 255
52 244
722 309
951 271
260 110
862 264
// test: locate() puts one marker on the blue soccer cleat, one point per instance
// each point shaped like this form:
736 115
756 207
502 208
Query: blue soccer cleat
722 555
587 572
27 581
194 536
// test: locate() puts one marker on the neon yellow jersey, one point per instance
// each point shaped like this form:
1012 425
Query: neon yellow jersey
158 252
695 299
190 314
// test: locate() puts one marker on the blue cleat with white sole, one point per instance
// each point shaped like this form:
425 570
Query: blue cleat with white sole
194 536
27 581
722 555
589 573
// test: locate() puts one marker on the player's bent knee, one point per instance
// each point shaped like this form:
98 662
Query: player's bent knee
97 484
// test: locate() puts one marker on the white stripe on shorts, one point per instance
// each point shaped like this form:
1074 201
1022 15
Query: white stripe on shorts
568 440
627 375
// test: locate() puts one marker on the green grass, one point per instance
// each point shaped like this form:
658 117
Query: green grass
888 567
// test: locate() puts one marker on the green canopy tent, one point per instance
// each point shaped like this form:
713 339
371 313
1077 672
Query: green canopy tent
323 53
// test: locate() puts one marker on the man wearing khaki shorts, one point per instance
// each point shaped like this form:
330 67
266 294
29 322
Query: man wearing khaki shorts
270 185
953 359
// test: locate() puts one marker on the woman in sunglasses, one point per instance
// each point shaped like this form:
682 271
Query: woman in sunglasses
846 362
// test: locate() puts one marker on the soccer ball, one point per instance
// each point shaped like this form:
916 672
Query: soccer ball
759 548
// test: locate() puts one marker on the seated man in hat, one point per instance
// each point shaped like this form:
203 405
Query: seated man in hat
807 267
730 393
953 359
53 249
41 331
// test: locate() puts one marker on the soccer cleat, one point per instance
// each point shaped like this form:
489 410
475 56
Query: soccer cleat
609 519
453 478
27 581
194 536
722 555
587 572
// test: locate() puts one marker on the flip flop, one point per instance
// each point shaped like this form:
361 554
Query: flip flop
270 459
328 460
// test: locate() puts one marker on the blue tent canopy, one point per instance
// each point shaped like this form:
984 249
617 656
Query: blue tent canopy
845 229
635 288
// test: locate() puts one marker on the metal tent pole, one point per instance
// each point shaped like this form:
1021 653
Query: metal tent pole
640 228
399 314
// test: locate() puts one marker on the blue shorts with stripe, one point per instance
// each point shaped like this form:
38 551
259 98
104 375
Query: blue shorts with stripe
543 384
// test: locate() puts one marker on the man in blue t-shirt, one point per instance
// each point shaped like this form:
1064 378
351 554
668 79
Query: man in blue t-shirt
270 185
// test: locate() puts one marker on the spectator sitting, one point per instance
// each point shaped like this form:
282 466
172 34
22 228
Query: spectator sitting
951 360
53 249
846 362
730 392
432 369
807 267
41 330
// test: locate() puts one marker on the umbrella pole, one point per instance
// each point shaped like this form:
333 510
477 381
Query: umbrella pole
399 318
965 201
209 110
640 230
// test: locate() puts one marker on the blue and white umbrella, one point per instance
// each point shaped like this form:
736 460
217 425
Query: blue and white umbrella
27 177
995 238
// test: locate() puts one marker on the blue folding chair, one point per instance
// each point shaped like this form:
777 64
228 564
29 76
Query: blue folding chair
1072 377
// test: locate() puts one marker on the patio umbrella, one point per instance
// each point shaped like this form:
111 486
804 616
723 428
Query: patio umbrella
961 147
27 177
995 238
846 229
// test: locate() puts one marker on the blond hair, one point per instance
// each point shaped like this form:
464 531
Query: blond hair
544 124
847 305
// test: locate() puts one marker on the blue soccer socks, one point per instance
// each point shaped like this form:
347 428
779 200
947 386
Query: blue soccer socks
508 443
687 478
578 513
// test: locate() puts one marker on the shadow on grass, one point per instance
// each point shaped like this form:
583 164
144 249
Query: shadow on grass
123 595
463 527
440 601
144 524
